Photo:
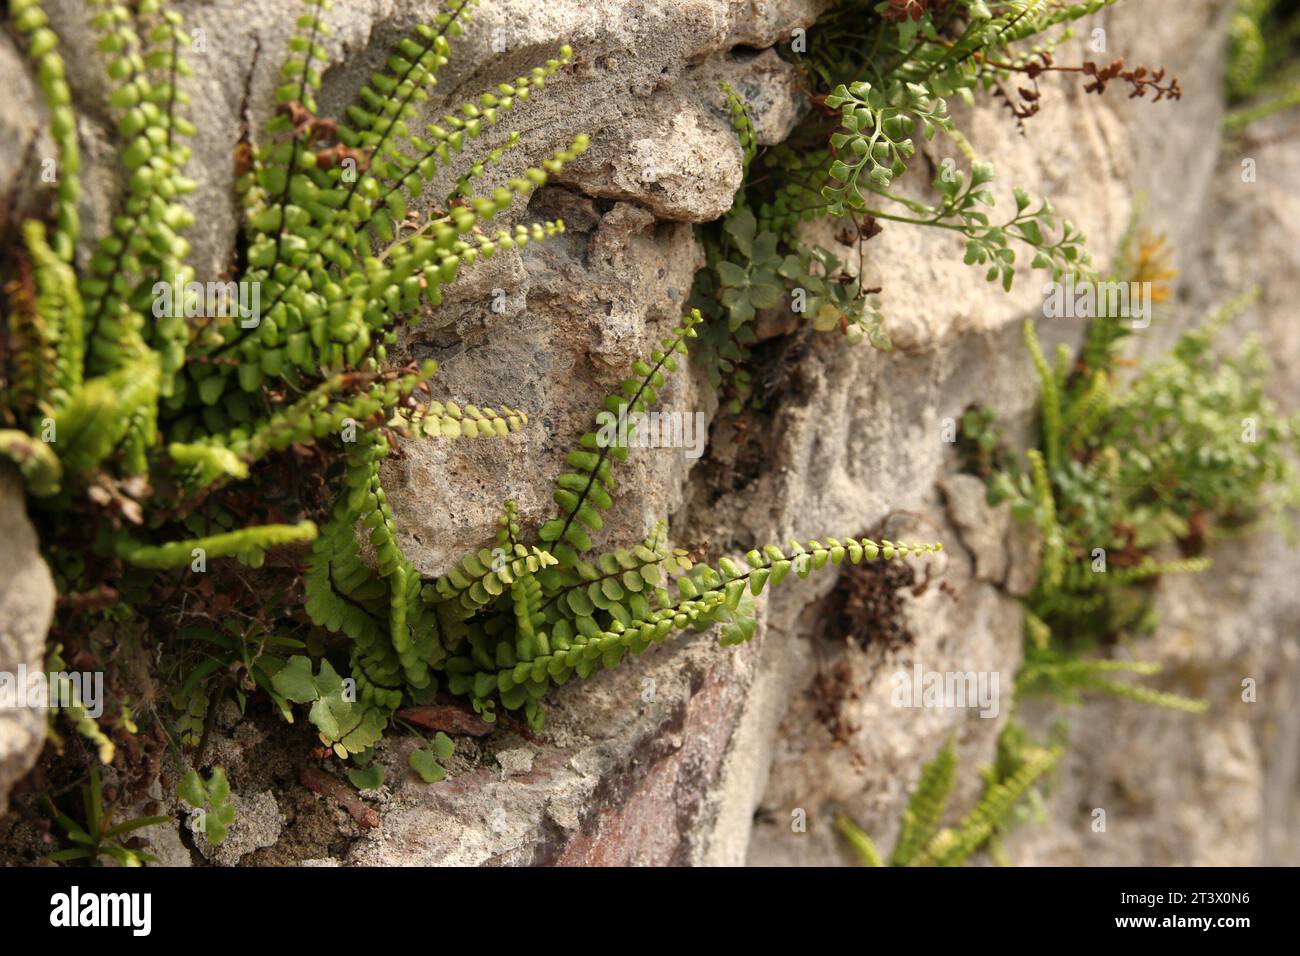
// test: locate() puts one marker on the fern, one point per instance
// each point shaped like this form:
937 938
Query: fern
1067 678
952 847
116 395
921 841
523 619
178 424
1049 397
889 73
926 806
586 490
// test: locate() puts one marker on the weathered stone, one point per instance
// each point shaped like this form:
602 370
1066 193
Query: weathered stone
26 608
258 823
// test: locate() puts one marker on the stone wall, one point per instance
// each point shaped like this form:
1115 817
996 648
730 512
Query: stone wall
692 753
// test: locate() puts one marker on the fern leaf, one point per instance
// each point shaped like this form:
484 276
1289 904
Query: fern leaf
42 48
1050 399
858 839
103 413
951 848
145 238
247 542
926 806
587 489
38 465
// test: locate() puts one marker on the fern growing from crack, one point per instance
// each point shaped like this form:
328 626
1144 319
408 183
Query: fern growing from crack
881 76
507 624
1191 449
119 407
922 841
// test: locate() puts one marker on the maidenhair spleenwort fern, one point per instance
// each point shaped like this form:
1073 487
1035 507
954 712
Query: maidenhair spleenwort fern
508 623
139 405
921 839
133 403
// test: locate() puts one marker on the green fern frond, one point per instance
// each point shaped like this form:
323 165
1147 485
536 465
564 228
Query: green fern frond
74 708
586 490
1054 548
1080 577
42 49
1085 412
595 626
743 125
59 305
144 242
1050 399
926 806
40 468
858 839
248 543
105 412
1067 678
953 847
1147 695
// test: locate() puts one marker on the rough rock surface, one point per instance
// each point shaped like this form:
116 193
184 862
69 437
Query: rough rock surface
26 609
694 754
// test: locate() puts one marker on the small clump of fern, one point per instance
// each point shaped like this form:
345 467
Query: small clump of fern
155 423
1190 451
510 622
922 841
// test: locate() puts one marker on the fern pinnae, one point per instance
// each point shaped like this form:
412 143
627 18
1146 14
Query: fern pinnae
307 80
1049 672
1054 547
926 806
1147 695
146 236
1050 397
1081 578
951 848
245 541
702 598
642 566
451 136
42 49
1085 413
585 491
40 468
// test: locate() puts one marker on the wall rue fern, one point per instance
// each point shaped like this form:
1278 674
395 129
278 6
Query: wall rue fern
880 75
